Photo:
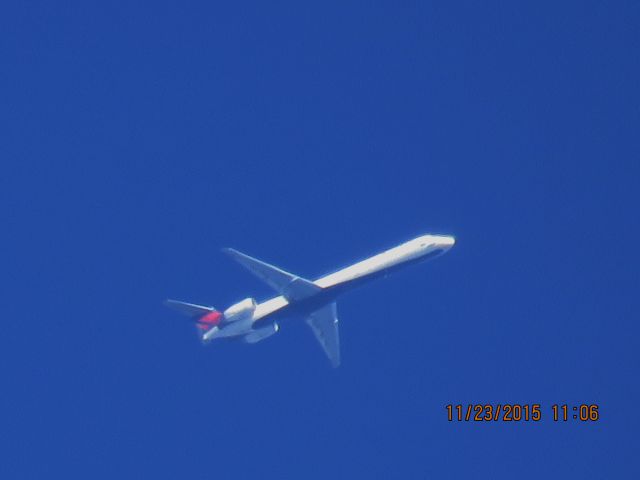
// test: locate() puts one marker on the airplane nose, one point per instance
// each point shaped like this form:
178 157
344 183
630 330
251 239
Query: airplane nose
446 242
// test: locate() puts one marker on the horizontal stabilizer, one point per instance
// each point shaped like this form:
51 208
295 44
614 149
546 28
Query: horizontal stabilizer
291 286
189 309
207 319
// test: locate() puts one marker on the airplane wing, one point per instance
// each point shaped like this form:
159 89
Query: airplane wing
291 286
324 323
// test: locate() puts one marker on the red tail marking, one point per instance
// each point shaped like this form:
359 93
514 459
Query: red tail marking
209 320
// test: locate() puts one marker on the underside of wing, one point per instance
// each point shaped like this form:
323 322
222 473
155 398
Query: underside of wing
324 323
291 286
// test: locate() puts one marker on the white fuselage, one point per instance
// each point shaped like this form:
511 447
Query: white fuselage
420 248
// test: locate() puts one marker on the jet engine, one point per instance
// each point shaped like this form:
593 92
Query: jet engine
240 311
261 333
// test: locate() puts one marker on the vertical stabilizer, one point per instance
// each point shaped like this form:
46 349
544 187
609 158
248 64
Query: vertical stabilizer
206 318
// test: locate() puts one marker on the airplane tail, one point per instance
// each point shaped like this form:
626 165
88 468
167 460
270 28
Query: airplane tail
205 318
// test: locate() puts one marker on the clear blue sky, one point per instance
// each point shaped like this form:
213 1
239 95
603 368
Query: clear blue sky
137 139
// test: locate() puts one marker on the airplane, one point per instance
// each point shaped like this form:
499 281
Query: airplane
313 300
